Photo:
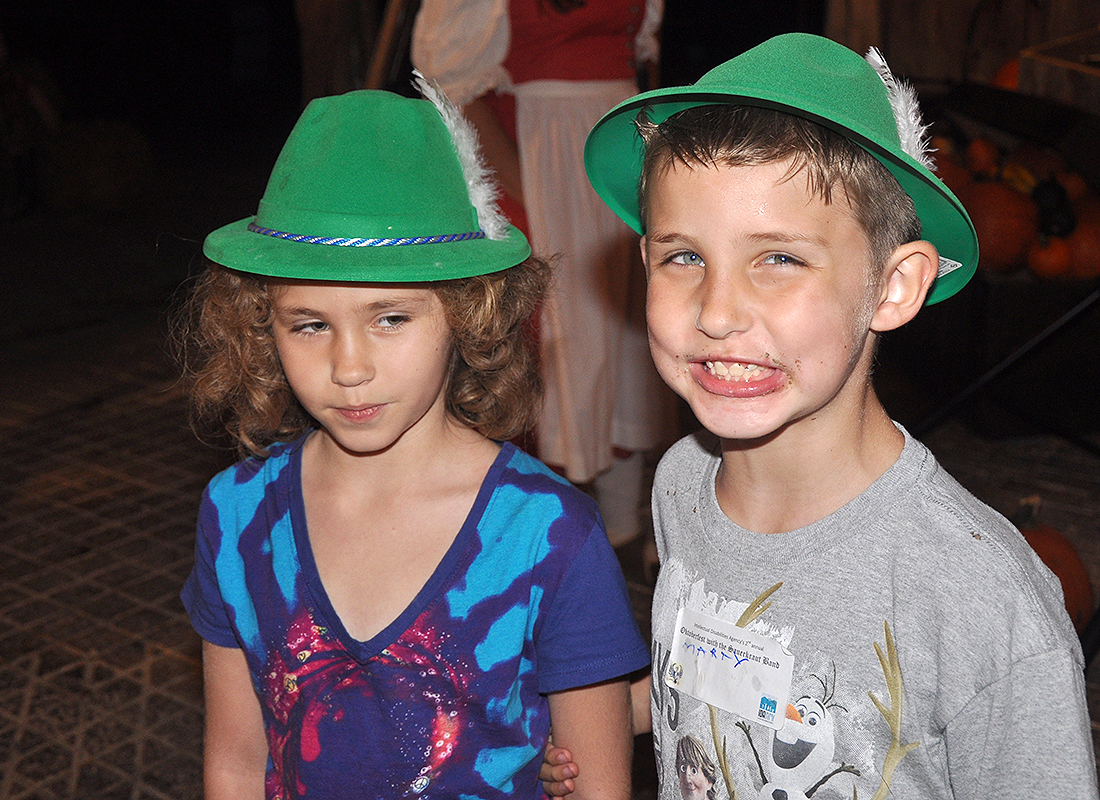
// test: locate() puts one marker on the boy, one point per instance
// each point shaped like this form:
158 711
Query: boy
834 616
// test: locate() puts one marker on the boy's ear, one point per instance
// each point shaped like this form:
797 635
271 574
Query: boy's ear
906 279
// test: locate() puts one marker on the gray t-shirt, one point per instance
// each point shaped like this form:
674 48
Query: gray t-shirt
991 677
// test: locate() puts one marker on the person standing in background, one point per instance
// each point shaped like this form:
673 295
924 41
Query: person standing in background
534 76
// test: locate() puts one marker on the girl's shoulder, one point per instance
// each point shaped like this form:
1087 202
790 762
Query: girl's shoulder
532 482
255 470
539 474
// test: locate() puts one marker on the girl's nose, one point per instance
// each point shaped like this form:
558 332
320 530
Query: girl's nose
351 362
723 308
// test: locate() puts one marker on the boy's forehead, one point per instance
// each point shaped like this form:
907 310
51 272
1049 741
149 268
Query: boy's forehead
713 207
774 177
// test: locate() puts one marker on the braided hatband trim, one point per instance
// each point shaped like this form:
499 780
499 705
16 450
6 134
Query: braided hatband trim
337 241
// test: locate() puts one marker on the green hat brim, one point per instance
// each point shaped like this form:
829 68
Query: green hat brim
237 247
614 150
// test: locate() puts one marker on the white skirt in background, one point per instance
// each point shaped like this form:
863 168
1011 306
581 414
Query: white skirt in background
601 387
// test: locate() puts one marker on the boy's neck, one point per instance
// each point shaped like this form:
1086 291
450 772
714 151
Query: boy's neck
805 472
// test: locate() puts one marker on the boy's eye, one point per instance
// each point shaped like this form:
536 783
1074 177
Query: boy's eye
687 258
782 260
313 326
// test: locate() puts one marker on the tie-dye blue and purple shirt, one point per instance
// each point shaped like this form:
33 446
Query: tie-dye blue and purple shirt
449 700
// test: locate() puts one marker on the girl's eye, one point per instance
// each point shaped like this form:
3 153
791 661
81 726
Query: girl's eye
392 320
687 258
313 326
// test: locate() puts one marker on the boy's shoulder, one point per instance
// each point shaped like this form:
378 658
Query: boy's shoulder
962 535
915 487
918 525
916 511
689 462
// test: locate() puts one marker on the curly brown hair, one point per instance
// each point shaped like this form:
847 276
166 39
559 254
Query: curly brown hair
226 350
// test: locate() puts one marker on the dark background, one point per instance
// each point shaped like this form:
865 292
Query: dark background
174 68
170 114
181 69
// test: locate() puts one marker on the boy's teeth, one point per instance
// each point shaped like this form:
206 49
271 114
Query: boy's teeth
733 370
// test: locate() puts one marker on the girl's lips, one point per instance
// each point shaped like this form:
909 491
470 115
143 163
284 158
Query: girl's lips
737 378
359 414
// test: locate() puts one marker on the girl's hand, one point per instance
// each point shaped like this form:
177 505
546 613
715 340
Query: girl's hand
558 771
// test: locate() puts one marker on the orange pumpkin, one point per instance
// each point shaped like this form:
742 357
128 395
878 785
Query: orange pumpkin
1074 183
942 145
1008 75
1084 242
1062 559
983 157
1006 222
953 172
1049 257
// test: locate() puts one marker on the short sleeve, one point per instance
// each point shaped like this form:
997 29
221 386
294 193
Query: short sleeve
201 594
646 44
1027 735
461 45
590 634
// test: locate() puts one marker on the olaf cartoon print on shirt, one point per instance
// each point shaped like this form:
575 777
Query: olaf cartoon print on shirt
805 754
800 758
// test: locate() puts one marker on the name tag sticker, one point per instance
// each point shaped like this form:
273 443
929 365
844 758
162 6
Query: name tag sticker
731 668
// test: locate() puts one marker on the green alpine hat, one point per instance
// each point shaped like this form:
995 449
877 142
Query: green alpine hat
370 186
816 78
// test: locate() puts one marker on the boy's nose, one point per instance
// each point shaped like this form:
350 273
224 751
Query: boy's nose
723 305
351 362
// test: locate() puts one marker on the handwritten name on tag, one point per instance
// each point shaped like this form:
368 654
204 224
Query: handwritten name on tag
731 668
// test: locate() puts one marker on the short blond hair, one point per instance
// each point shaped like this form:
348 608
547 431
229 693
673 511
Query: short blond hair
689 752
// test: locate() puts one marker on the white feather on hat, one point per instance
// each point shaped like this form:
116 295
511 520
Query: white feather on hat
480 183
903 101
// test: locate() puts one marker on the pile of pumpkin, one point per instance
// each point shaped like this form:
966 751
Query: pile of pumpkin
1029 208
1060 557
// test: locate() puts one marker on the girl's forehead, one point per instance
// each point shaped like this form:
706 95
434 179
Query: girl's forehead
291 292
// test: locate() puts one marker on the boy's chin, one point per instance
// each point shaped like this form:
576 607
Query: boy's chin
745 428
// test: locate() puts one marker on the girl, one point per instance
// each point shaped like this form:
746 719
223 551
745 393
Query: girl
392 602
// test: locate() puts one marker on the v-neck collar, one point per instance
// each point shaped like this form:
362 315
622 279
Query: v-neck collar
453 559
